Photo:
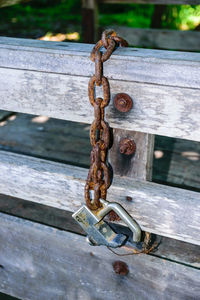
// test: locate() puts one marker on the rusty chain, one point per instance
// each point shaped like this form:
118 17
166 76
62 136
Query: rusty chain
98 179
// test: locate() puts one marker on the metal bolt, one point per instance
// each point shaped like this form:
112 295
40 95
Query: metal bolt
123 102
127 146
128 198
120 267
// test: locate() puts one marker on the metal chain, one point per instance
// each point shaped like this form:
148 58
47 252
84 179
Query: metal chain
98 179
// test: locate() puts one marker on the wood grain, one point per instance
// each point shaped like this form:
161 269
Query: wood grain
64 266
186 40
177 162
162 210
174 250
154 79
157 109
127 64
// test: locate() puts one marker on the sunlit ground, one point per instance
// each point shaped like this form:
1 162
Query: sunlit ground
59 37
190 155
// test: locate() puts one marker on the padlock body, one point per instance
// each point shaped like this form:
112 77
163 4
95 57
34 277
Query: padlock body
98 231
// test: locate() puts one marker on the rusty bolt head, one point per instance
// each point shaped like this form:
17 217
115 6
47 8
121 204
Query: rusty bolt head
120 267
127 146
112 216
128 198
123 102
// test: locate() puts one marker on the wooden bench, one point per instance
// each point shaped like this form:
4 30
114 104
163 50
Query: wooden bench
42 262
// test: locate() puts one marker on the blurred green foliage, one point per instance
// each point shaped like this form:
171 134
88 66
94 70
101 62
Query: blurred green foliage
185 17
181 17
37 17
131 15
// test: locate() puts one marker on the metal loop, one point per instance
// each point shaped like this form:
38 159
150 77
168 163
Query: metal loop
91 90
109 50
106 91
121 41
105 138
106 175
97 113
107 54
96 48
107 33
96 203
98 68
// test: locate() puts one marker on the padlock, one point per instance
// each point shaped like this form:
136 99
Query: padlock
98 231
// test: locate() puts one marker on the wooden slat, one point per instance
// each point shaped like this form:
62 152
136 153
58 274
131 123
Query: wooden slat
163 210
185 40
177 251
144 65
68 142
158 107
177 162
164 2
40 262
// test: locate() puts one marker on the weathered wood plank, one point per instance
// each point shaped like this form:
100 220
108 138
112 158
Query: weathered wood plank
178 251
162 210
67 263
150 66
164 2
68 142
137 166
177 162
157 109
129 64
48 138
183 253
185 40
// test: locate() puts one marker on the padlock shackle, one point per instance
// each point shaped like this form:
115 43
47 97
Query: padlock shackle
123 214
